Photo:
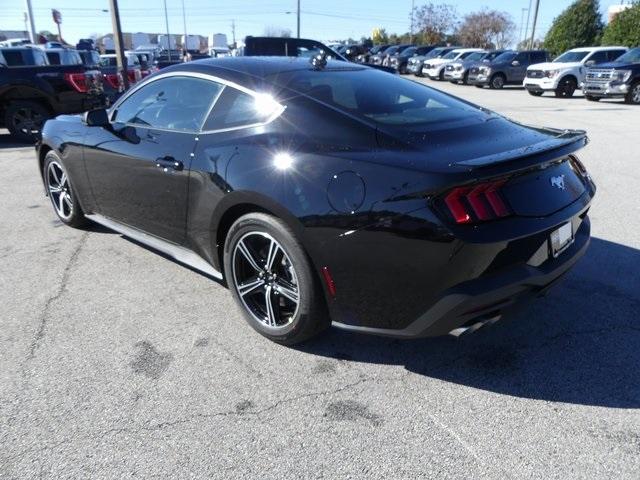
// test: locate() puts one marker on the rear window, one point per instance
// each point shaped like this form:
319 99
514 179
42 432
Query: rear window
13 58
379 97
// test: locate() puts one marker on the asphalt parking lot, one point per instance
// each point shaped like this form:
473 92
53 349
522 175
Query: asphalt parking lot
116 362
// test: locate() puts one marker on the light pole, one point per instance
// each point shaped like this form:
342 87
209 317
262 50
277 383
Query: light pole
166 21
121 59
32 32
298 19
526 28
533 27
186 38
522 24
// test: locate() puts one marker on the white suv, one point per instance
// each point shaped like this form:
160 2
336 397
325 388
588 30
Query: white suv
566 73
434 67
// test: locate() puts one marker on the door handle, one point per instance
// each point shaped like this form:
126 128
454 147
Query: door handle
169 163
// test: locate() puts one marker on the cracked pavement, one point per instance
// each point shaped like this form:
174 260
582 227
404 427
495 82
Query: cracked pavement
116 362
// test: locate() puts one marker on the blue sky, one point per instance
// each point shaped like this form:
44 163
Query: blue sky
321 19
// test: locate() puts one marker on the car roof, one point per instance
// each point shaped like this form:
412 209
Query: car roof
239 68
593 49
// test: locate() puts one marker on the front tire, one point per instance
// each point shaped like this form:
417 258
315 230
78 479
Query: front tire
271 278
566 88
535 93
61 193
24 120
498 81
633 96
591 98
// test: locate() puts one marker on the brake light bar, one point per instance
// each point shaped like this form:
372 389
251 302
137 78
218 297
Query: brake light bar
78 81
477 203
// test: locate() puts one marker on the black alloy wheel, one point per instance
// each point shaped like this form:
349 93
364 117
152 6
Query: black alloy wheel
63 199
24 120
633 96
271 278
566 88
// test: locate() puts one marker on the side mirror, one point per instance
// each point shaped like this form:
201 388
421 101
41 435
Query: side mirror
515 63
590 63
96 118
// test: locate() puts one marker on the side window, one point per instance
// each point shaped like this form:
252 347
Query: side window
54 58
613 54
238 109
598 57
169 103
538 57
522 57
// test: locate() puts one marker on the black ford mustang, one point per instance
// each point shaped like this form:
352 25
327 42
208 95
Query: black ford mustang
328 192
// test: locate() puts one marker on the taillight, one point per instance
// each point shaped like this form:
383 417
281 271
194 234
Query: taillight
477 203
78 81
132 76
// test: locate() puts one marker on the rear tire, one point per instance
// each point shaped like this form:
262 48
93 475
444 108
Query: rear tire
61 193
270 288
24 119
633 96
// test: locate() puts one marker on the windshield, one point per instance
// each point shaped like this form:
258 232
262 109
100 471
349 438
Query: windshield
409 51
451 55
434 53
377 96
476 56
632 56
391 50
569 57
505 57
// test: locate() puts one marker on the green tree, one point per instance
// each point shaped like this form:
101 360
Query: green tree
624 29
580 25
379 36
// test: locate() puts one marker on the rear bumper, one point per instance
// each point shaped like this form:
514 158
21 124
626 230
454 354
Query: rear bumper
491 295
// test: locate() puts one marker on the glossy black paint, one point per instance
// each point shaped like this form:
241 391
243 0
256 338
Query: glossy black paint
363 199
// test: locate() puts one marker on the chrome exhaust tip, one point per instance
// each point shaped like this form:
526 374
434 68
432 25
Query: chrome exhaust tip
465 330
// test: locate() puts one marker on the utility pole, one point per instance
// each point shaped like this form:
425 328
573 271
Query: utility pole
119 43
526 28
32 31
533 27
166 21
298 18
186 37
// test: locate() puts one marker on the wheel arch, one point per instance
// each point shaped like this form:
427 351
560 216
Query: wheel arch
237 204
24 92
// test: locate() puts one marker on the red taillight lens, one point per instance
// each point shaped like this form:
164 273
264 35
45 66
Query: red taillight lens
478 203
132 76
78 81
112 79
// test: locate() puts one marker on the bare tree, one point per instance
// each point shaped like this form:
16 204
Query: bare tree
273 31
487 29
434 21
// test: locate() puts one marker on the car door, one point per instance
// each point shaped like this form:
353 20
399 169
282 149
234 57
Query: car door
517 69
138 167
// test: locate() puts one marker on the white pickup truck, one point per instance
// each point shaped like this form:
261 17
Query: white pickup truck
566 73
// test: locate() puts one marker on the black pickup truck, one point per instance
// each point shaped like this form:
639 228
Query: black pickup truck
617 79
31 94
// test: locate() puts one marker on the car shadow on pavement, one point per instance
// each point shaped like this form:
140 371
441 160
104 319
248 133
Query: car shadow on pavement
7 141
579 345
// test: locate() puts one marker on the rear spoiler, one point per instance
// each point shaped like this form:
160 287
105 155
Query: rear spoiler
566 142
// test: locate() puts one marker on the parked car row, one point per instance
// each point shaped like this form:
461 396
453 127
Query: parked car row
601 72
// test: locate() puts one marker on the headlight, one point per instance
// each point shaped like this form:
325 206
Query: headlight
621 75
551 73
457 68
485 70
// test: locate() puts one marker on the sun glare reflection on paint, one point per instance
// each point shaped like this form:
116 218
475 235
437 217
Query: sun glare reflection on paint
282 161
265 105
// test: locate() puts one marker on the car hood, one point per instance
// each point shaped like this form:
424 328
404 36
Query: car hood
554 66
617 65
438 61
477 140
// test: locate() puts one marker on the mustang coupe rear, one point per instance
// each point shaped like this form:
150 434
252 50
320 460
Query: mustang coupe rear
328 192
